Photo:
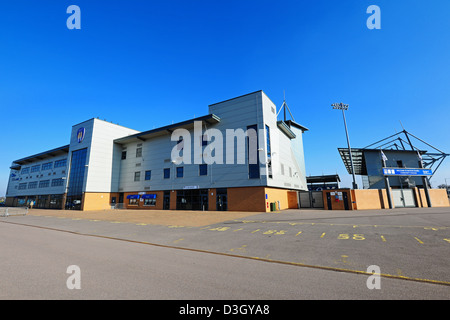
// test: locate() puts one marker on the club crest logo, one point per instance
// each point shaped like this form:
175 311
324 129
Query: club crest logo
80 135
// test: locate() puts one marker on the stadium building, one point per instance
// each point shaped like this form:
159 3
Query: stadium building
238 157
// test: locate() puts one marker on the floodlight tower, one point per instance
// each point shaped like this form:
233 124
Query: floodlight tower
343 107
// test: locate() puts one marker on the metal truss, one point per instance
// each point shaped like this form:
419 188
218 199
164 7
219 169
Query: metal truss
403 140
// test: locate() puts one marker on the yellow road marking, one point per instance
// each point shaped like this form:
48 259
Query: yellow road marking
241 249
255 230
298 233
420 241
353 225
383 238
298 264
323 235
220 229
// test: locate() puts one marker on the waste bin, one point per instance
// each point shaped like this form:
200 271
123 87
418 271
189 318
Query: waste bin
272 206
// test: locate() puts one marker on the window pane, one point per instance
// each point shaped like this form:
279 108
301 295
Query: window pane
203 169
166 173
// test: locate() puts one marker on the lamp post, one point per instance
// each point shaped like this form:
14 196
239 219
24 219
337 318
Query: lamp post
343 107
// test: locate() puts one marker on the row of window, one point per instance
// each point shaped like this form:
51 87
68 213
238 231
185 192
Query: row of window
202 171
42 184
180 146
147 202
44 166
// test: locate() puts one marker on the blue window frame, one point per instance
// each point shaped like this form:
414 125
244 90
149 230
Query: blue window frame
77 168
203 169
180 172
166 173
60 163
252 152
47 166
148 174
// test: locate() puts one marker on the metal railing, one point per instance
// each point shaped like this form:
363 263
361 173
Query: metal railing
13 211
117 206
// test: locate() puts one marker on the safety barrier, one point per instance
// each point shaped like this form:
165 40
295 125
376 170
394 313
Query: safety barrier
13 211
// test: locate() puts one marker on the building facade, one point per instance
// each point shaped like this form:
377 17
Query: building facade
239 157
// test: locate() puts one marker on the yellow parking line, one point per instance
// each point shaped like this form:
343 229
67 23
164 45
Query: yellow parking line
446 283
420 241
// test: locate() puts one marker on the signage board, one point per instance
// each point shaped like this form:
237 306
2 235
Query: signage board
407 172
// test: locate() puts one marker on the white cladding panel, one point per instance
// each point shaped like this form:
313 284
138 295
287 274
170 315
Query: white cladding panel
103 167
235 114
288 164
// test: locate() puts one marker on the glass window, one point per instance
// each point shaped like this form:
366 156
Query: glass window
137 176
149 202
268 141
124 155
47 166
180 144
60 163
57 182
180 172
252 152
204 140
22 186
134 202
36 168
203 169
77 169
138 152
25 170
166 173
44 183
148 174
269 153
32 185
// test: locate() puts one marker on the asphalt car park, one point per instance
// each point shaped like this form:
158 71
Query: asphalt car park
407 244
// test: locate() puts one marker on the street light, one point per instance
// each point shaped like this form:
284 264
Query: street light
343 107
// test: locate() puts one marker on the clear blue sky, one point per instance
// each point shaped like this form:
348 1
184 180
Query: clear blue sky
144 64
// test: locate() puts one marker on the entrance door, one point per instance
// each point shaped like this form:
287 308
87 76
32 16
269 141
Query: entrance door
408 197
166 200
317 199
221 200
311 199
345 199
403 198
329 201
305 201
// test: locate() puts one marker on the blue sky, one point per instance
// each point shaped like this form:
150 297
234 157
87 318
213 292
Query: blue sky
145 64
